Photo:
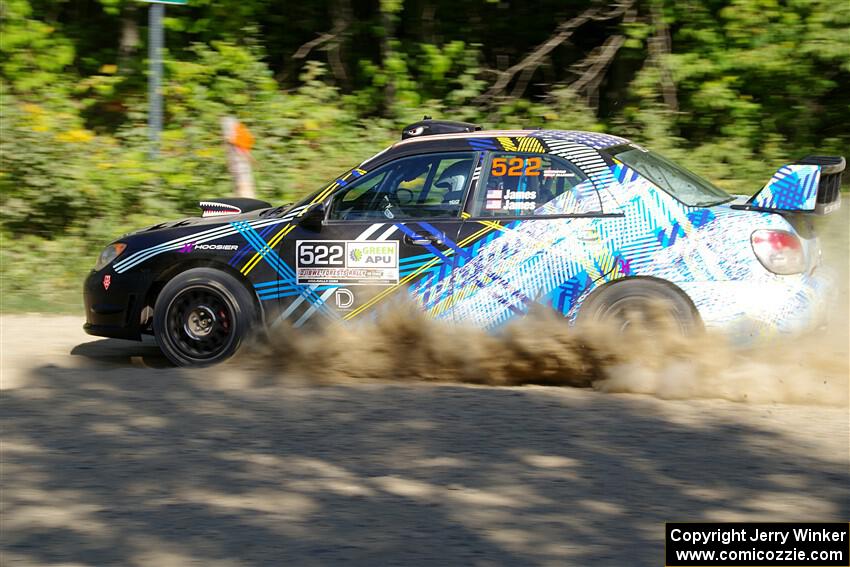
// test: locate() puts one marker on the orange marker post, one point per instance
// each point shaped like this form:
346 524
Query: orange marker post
239 143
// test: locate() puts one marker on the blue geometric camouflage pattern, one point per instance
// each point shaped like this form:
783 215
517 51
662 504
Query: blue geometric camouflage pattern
792 188
706 252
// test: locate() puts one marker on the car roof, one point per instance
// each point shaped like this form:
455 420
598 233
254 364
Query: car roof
594 140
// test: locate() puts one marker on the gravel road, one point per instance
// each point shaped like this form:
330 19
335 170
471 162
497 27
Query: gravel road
110 457
109 460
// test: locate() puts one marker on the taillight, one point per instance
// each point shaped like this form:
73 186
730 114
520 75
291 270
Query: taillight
779 251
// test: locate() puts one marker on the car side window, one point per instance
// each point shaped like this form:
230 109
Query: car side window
426 186
529 184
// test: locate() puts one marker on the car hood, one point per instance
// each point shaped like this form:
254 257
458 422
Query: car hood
210 221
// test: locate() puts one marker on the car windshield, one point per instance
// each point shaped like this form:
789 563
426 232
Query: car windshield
686 186
279 211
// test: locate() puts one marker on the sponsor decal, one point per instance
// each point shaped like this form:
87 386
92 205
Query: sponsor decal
224 247
826 209
344 298
346 262
191 247
107 280
558 173
372 254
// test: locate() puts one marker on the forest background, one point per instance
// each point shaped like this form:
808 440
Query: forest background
730 88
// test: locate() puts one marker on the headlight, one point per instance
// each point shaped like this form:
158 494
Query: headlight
109 254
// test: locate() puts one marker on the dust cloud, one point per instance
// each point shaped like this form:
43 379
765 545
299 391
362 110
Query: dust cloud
541 349
405 345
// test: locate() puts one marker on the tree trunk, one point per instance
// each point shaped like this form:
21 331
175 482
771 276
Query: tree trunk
129 42
388 23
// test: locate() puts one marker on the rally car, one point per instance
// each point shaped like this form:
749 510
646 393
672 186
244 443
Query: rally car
475 226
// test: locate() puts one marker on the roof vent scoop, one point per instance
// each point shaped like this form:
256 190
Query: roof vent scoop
231 206
429 127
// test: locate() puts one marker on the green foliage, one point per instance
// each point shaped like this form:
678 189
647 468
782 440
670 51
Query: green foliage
33 52
758 83
432 76
754 69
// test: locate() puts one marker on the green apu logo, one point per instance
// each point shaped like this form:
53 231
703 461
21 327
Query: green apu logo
379 249
366 255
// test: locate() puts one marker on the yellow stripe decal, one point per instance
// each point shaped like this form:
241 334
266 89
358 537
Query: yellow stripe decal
529 144
507 143
252 263
494 225
324 193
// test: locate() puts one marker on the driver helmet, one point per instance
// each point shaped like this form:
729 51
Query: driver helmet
453 179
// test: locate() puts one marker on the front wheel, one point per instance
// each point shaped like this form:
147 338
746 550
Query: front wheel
202 316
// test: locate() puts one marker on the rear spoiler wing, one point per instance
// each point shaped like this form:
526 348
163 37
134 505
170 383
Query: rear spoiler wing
811 185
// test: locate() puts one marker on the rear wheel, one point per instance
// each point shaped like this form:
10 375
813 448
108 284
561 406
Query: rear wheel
641 303
202 316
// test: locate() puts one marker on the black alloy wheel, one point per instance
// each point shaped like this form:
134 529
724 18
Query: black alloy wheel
202 316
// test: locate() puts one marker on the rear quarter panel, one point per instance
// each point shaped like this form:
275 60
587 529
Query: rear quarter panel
706 252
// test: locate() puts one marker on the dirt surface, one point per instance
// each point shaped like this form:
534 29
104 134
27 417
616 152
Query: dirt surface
110 460
111 457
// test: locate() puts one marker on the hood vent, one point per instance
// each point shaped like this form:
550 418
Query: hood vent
234 206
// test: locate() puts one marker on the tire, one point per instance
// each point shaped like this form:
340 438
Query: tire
202 317
641 301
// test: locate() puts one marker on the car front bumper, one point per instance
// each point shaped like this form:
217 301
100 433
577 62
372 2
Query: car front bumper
114 305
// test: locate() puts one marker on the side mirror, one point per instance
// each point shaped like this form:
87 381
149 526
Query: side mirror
312 219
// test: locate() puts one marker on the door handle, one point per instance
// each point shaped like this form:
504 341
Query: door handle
422 240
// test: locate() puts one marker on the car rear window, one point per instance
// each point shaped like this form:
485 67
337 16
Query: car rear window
684 185
533 184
